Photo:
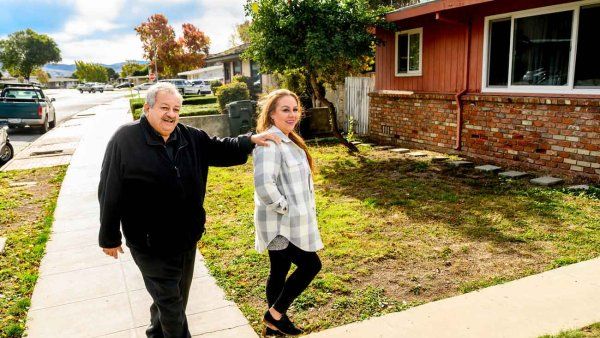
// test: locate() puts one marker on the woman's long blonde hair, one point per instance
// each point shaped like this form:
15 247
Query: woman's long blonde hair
268 104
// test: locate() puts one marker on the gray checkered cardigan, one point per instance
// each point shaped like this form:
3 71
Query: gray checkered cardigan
284 198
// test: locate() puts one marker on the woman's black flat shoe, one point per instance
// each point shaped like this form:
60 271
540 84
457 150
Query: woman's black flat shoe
284 325
269 332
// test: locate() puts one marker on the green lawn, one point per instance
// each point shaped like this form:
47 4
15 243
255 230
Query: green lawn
592 331
26 214
399 232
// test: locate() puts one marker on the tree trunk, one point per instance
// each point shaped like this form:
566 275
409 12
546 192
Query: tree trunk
319 92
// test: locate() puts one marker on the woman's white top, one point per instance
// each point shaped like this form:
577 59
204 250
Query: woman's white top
284 197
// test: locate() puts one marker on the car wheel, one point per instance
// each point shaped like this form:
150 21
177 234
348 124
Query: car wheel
6 153
53 123
101 90
45 127
81 91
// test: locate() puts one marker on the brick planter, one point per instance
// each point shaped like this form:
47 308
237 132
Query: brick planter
554 135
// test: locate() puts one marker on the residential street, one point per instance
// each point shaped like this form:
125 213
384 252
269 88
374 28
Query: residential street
68 103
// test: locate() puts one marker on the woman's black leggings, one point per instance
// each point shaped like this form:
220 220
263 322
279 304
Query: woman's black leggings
281 292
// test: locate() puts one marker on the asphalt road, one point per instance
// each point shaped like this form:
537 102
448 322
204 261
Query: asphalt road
68 103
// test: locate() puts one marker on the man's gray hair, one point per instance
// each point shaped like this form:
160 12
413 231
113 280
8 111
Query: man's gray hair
161 87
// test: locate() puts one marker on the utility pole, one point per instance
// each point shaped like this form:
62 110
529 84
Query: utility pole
156 62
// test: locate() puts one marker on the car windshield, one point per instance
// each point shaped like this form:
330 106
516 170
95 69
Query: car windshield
22 94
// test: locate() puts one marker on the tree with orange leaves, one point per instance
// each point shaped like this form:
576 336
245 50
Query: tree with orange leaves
174 55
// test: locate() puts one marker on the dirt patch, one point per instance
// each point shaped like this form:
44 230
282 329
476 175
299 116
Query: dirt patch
20 195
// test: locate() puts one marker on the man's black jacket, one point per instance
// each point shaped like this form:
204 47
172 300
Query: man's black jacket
159 201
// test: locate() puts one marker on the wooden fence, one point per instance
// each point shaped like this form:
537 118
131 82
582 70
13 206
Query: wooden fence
356 103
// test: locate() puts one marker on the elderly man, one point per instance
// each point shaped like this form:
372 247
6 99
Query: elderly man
153 183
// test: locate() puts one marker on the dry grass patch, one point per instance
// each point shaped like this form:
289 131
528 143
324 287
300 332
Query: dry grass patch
399 232
27 202
592 331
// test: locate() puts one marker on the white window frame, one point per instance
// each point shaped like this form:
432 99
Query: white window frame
569 88
409 72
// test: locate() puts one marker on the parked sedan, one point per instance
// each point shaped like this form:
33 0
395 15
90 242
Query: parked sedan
143 86
200 87
6 149
109 87
90 87
124 85
184 86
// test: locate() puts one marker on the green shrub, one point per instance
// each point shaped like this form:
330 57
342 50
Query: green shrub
231 92
253 90
200 100
136 104
214 85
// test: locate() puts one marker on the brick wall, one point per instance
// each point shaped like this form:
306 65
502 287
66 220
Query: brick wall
554 135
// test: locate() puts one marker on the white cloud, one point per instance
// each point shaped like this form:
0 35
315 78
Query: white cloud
91 17
108 51
218 20
95 33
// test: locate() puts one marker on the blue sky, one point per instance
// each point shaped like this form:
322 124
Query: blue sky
102 30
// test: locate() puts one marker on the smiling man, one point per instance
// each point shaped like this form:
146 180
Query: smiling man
152 186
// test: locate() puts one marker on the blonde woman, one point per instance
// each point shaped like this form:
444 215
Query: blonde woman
285 214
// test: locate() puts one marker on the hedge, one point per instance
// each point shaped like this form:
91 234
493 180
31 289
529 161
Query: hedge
235 91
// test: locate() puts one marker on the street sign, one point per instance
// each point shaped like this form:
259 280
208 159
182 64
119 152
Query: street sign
152 76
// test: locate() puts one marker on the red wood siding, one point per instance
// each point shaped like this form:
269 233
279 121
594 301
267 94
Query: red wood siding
444 48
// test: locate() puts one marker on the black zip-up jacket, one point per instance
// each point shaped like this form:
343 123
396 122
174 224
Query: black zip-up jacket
159 200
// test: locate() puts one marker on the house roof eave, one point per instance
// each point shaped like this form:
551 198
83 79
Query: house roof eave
429 8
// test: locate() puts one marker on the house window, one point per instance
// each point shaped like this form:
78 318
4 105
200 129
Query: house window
544 50
409 45
254 70
227 72
237 67
587 72
541 49
499 52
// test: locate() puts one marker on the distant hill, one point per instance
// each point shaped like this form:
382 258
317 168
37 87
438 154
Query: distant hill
63 70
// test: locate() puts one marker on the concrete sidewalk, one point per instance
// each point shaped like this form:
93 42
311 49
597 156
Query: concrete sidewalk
561 299
83 293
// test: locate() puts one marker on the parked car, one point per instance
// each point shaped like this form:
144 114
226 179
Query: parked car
200 87
143 86
26 105
108 87
184 86
124 85
90 87
6 149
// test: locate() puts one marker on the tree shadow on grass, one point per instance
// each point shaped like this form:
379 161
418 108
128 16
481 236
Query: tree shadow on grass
480 206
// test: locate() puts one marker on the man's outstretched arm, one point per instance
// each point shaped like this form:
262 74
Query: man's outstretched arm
228 151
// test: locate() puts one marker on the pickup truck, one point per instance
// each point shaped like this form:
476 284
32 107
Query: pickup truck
26 105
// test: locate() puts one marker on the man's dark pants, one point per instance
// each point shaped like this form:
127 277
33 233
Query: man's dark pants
168 281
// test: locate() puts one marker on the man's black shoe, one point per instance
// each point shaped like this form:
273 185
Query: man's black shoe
284 325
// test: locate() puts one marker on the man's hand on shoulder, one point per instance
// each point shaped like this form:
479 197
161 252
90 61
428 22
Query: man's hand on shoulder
114 252
262 138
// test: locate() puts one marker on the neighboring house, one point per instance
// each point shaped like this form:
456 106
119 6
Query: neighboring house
138 79
511 82
207 73
62 82
233 65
